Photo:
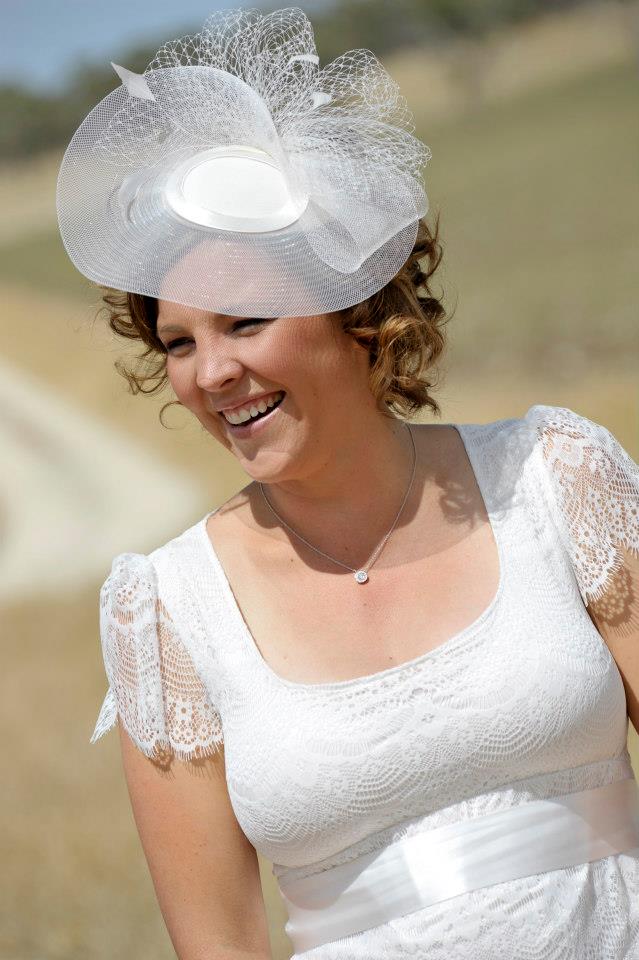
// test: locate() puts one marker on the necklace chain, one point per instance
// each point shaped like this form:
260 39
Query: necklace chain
361 573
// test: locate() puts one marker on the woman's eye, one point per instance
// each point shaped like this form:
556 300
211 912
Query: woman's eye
249 321
176 343
236 326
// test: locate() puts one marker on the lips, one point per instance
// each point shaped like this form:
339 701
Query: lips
249 402
248 427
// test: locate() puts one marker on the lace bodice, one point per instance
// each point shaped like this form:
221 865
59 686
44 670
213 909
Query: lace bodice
526 702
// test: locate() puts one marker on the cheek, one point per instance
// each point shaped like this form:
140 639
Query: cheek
183 379
286 361
306 353
181 376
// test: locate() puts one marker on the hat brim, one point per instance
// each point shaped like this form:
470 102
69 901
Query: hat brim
126 222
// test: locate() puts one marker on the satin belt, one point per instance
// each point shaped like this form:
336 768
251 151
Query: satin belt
425 868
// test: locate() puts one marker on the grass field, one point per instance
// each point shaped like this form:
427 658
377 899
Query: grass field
539 202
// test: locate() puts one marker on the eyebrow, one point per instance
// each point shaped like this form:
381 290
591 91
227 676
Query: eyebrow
170 328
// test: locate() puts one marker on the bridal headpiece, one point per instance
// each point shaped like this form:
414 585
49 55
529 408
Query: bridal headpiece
237 175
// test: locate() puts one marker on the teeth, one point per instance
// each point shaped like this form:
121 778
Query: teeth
246 413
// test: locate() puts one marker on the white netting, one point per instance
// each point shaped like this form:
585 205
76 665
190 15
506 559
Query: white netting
340 137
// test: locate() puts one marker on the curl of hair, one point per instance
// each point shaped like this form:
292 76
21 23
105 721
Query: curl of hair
400 325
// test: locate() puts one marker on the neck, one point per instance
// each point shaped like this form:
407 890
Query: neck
347 504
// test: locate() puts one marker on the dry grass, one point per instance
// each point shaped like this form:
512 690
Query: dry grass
515 60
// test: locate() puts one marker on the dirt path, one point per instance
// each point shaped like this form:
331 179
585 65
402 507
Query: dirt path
74 492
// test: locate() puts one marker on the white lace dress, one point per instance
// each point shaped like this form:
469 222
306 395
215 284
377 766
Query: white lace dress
525 703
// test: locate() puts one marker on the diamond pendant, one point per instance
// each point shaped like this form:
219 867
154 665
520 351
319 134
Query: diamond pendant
361 576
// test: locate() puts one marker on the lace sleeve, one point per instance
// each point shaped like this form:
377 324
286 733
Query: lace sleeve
593 490
153 685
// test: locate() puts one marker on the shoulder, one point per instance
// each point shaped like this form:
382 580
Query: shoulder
552 424
554 433
550 453
135 577
590 484
574 451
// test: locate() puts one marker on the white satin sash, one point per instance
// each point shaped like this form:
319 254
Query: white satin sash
426 868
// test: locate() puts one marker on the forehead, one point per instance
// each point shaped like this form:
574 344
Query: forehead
174 316
212 271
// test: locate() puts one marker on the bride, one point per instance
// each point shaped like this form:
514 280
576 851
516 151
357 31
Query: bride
400 663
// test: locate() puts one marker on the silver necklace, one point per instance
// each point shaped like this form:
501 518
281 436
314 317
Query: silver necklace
361 574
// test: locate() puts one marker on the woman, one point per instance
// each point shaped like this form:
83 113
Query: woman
400 662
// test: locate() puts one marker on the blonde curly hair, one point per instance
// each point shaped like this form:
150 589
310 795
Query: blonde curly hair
401 326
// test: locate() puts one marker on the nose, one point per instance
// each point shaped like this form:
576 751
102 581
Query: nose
216 368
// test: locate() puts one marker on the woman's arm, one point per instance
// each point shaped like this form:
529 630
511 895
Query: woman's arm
593 486
204 869
616 617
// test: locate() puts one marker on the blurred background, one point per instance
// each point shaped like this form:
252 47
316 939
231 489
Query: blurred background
530 109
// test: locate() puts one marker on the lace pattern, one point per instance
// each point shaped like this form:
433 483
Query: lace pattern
526 702
593 489
153 685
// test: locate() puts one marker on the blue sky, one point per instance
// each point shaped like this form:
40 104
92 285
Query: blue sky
41 39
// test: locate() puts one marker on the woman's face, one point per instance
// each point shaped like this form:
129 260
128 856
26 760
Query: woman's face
214 361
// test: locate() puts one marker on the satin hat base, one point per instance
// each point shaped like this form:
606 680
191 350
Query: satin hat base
232 187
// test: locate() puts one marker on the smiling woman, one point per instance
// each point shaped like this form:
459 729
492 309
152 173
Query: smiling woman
380 647
401 326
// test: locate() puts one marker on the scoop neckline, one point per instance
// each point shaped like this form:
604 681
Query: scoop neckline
248 641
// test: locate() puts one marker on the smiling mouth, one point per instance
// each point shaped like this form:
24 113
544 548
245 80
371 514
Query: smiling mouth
259 416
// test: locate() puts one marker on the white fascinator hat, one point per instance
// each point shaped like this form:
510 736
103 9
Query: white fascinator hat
234 147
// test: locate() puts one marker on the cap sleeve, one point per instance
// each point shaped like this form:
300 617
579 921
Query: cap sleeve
154 687
592 487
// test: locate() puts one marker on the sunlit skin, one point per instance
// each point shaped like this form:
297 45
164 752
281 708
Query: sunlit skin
330 458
